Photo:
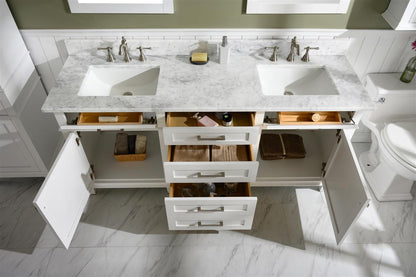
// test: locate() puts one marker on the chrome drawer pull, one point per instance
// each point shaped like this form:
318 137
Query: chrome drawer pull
219 174
213 138
219 224
201 210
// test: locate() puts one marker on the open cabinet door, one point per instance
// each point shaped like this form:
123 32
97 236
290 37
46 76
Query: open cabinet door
64 194
343 186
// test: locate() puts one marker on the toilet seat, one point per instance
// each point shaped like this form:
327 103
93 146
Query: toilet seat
400 139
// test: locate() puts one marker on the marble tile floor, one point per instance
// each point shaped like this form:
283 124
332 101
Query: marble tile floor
124 233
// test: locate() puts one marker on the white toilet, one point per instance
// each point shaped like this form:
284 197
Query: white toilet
390 165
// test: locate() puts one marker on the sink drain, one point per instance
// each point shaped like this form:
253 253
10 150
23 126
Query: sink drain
288 93
127 93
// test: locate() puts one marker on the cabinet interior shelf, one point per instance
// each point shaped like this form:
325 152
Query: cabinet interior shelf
318 145
99 148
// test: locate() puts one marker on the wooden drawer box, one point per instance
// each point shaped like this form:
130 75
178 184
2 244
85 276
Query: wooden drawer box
234 212
241 168
123 118
182 129
308 118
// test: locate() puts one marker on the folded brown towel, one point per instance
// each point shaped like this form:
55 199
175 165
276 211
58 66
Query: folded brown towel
284 146
229 153
294 146
191 153
271 147
122 145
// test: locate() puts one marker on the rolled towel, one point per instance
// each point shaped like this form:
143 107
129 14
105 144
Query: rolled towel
122 145
141 142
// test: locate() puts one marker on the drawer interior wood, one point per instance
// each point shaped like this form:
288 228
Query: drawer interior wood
123 118
221 189
186 119
303 118
213 153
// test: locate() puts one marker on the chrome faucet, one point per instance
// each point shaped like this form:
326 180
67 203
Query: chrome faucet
273 58
293 45
110 56
305 57
123 50
142 57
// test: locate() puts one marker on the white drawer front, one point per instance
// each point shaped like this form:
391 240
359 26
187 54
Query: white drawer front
206 213
210 135
191 172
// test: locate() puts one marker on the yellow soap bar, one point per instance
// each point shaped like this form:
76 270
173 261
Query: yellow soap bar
199 57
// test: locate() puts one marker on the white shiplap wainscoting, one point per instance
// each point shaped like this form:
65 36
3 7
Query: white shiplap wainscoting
369 51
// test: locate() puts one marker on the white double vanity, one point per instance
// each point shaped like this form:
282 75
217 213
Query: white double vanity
250 90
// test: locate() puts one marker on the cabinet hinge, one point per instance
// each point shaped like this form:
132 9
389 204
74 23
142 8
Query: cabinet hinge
78 139
323 169
338 135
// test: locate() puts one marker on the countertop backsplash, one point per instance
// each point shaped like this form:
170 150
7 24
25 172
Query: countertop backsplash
160 47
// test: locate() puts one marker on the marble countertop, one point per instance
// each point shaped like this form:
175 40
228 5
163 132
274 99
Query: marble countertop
212 87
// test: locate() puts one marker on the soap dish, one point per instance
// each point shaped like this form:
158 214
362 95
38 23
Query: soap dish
198 63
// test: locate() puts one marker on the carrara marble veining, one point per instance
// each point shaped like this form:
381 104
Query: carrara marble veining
185 87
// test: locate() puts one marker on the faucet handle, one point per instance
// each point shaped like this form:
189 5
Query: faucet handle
142 57
110 56
305 57
273 58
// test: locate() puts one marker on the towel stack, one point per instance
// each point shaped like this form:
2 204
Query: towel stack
191 153
281 146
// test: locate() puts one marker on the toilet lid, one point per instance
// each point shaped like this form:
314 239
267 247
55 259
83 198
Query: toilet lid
400 137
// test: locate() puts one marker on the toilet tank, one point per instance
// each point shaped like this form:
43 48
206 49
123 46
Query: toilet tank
394 98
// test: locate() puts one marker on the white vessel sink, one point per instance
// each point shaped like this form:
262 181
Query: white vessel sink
295 80
119 80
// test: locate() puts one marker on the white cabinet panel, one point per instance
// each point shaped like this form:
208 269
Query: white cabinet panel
343 186
64 195
15 157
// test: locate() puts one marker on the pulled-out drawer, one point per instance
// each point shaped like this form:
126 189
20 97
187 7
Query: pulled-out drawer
216 168
182 129
229 210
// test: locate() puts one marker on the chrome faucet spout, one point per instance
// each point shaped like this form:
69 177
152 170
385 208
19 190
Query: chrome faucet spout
124 50
123 42
293 46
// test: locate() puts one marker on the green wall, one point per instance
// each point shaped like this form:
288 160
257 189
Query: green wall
54 14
